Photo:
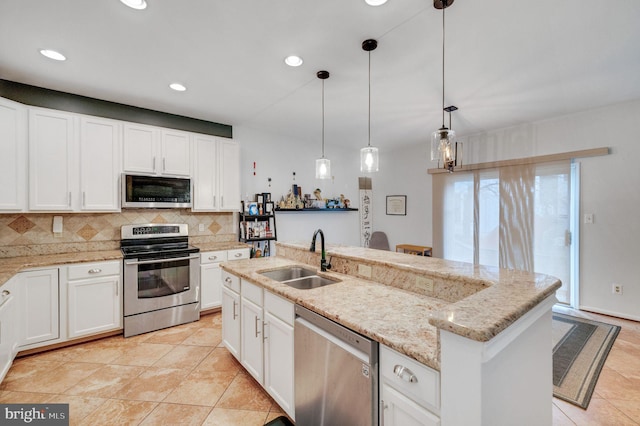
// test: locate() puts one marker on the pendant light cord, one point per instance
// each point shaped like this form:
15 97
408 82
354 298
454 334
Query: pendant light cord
322 118
444 6
369 134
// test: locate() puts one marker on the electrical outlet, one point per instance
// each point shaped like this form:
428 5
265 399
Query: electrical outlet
588 218
364 270
201 227
616 288
425 283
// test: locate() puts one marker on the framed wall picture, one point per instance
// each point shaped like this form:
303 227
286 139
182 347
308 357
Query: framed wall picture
397 205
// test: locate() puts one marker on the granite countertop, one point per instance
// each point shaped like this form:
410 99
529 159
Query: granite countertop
405 320
507 294
9 266
383 313
229 245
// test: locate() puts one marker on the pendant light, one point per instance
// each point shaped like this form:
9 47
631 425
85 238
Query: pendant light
443 140
323 165
369 154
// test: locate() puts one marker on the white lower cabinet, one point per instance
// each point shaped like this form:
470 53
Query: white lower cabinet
252 350
38 295
278 351
94 298
211 279
257 328
409 391
211 275
231 313
9 326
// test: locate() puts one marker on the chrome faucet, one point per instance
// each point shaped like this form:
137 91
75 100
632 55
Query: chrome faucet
324 265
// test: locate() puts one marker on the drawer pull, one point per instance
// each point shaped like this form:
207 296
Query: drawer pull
5 293
238 254
95 271
228 281
405 374
213 257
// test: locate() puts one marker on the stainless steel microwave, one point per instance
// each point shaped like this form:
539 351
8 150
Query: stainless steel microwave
142 191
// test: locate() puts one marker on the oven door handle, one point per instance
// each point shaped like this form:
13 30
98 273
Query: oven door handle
166 259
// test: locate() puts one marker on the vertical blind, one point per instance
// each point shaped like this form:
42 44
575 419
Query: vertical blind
514 217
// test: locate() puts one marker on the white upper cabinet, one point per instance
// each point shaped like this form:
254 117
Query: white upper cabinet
13 145
52 160
176 153
216 174
229 186
151 150
99 164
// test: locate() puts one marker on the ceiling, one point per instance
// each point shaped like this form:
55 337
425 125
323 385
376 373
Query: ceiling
507 62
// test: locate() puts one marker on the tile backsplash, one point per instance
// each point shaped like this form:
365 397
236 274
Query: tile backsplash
24 234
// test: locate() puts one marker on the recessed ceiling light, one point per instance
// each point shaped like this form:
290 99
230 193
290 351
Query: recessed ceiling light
52 54
293 61
135 4
178 87
375 2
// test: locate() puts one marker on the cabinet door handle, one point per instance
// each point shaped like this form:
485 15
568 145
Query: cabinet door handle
164 164
5 295
383 406
257 331
221 201
84 199
95 271
235 315
154 164
264 335
214 201
405 374
69 198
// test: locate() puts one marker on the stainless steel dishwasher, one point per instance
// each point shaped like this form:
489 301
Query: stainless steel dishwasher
336 373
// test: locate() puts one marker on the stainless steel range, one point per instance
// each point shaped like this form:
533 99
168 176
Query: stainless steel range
161 277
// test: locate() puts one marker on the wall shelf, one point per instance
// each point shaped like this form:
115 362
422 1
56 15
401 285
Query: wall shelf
314 210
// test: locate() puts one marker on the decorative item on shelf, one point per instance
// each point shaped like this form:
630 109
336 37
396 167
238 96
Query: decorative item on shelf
253 209
369 154
444 147
323 165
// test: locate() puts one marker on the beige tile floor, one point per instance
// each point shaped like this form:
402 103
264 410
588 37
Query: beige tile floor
183 375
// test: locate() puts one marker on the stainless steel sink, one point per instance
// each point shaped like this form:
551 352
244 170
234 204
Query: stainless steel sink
289 273
308 283
298 277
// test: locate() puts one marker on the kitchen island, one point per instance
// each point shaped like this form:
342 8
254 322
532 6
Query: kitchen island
486 330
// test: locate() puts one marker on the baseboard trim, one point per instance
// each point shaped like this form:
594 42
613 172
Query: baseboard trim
609 313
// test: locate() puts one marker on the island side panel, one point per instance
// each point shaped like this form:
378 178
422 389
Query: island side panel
505 381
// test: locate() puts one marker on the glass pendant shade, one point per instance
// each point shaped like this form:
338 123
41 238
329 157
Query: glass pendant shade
369 159
323 168
443 147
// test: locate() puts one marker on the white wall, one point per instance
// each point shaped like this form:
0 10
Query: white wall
278 157
610 247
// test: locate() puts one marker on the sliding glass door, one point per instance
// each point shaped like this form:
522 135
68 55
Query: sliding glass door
515 217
